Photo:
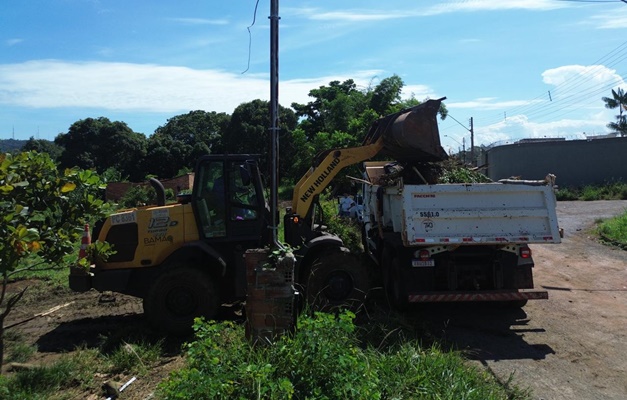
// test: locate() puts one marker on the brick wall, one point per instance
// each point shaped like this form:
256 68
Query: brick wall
116 190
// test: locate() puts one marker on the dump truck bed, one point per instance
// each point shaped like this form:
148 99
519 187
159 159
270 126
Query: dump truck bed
468 214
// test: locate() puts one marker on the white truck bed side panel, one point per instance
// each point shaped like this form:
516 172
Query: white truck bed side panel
492 213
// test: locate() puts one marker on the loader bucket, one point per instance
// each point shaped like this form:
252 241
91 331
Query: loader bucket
411 134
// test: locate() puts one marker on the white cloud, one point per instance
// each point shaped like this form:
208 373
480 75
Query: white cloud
13 42
361 15
495 5
571 107
199 21
357 16
615 19
145 87
580 75
488 103
419 92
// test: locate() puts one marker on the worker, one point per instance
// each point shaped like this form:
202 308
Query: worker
346 202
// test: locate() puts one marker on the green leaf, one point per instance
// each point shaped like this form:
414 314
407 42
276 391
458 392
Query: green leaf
68 187
4 189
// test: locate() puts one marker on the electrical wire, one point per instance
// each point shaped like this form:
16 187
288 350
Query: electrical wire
250 36
569 93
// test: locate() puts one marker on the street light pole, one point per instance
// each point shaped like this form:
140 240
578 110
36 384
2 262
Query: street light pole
274 117
472 144
472 137
462 144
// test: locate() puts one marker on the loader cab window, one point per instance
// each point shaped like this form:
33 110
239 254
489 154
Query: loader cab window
226 198
242 194
210 199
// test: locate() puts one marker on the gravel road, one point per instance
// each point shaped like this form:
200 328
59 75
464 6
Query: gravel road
572 346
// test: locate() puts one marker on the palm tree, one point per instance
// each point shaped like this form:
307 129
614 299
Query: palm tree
618 99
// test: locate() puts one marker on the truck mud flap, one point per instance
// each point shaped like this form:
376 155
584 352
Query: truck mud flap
434 297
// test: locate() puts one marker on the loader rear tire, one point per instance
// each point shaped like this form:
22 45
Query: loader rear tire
177 297
336 280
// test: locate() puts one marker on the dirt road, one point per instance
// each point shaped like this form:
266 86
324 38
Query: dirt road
572 346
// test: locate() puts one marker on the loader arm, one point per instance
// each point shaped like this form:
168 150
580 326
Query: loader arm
411 133
319 176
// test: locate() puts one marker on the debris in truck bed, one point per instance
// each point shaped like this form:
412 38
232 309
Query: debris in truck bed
431 173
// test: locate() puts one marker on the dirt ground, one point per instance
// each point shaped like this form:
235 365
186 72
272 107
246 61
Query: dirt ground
572 346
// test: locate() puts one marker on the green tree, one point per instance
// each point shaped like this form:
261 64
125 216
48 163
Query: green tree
332 109
249 132
618 100
100 144
43 146
182 140
43 213
386 95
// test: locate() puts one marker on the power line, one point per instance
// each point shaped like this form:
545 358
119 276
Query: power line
250 36
569 92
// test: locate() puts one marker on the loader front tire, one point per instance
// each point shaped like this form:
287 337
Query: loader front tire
177 297
336 280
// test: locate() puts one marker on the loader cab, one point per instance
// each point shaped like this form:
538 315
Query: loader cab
228 198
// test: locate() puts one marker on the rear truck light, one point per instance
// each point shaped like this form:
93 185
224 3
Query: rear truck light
424 255
422 258
525 252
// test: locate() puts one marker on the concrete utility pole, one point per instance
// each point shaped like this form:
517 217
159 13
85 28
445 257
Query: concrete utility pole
473 161
274 117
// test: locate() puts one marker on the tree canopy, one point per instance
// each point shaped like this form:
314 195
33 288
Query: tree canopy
43 210
176 145
248 132
338 115
99 144
618 100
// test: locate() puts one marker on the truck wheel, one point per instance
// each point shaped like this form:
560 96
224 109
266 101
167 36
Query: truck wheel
393 282
177 297
336 280
395 289
515 303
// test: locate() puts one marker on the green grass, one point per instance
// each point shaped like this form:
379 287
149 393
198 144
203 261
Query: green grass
324 358
609 191
17 350
614 230
81 371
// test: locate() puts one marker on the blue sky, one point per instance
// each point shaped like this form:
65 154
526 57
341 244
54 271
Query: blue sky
519 68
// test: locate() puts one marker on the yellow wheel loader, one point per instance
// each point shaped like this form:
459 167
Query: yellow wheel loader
186 259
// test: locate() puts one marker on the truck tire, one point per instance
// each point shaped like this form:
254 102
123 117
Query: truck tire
177 297
396 290
515 303
336 280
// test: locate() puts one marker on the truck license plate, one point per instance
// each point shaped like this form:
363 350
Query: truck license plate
421 263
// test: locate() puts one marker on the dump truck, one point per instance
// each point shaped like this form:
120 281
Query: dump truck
455 242
186 259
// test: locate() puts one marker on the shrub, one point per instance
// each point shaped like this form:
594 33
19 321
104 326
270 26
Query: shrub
136 196
322 359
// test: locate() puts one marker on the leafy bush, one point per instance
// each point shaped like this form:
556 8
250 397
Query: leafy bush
566 194
322 359
614 230
223 365
608 191
346 229
137 196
